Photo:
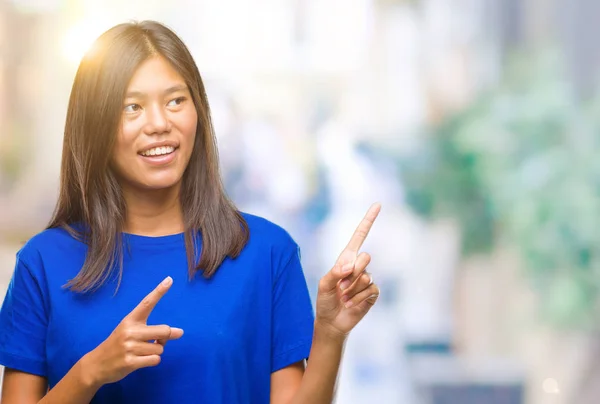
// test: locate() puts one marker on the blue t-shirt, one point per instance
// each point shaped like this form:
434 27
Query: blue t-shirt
252 318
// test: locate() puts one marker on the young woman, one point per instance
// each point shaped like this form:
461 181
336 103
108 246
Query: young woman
142 212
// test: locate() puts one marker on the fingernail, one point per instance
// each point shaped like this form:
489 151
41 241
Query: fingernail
349 304
344 284
345 298
167 281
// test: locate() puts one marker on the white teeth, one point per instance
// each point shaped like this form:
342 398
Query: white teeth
159 151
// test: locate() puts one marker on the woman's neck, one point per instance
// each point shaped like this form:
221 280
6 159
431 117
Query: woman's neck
153 212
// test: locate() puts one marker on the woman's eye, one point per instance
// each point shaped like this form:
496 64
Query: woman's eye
132 108
176 101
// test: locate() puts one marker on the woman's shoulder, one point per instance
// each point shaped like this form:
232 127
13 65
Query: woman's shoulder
53 241
272 240
268 232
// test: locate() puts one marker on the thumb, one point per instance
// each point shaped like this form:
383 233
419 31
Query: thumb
330 281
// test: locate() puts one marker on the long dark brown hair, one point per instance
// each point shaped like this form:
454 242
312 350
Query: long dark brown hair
90 195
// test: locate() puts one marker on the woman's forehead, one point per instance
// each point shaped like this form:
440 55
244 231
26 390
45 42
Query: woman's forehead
155 75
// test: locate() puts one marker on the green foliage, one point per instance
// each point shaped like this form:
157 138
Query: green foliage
522 166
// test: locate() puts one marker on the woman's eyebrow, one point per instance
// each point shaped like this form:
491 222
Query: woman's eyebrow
170 90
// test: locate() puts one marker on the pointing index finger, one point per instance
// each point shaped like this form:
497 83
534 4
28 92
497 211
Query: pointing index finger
361 232
142 311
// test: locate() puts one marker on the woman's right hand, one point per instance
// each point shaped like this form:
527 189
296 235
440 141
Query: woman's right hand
133 344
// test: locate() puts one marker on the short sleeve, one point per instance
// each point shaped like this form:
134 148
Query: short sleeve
293 317
23 323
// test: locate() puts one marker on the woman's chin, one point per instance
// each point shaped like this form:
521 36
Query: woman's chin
158 185
163 186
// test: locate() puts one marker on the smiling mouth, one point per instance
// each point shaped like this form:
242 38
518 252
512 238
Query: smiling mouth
158 151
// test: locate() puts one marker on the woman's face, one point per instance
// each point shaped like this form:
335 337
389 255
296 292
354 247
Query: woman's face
158 128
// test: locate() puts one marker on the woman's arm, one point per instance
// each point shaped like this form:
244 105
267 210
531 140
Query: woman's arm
316 383
124 351
346 294
24 388
286 382
76 387
21 387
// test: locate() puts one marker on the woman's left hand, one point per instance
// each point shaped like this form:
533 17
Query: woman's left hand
347 292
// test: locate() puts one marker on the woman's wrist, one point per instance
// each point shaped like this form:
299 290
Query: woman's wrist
88 374
326 332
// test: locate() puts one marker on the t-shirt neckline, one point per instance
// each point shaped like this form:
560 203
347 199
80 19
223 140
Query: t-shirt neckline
140 240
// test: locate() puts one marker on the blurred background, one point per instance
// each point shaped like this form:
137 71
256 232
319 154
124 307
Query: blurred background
474 122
